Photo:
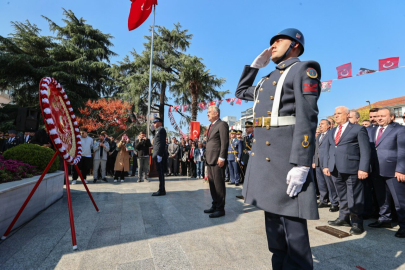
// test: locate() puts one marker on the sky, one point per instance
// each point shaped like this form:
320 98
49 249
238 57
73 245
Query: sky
230 34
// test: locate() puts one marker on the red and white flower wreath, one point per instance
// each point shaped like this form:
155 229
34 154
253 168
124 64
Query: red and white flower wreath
50 125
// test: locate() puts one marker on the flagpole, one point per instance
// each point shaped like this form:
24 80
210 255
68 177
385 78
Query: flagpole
150 72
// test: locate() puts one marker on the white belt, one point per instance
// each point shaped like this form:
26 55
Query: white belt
268 121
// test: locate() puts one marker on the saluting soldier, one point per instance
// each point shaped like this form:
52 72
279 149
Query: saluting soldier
278 178
234 154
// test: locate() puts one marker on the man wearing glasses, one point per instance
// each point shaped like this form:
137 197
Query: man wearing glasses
85 162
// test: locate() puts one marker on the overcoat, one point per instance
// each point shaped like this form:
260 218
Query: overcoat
277 149
123 156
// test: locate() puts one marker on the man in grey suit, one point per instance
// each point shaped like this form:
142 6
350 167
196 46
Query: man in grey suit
173 150
100 148
347 159
215 156
388 166
159 153
326 187
278 177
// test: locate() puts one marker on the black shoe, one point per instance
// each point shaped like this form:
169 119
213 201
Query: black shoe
400 233
240 197
132 174
357 229
334 208
217 214
339 222
94 181
138 181
159 193
237 184
226 180
380 224
209 211
105 180
322 205
231 183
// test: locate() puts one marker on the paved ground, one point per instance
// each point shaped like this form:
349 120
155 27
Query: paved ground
137 231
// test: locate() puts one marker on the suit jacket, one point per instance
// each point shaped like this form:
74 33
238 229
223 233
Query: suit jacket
173 149
388 155
7 144
159 142
320 149
352 153
217 142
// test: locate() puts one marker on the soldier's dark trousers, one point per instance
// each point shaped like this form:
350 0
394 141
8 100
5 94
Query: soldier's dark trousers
216 179
288 240
234 171
326 188
350 190
160 166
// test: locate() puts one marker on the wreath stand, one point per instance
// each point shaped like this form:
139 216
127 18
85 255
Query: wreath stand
69 199
63 131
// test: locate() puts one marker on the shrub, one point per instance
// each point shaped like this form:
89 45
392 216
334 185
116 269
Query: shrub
33 155
11 170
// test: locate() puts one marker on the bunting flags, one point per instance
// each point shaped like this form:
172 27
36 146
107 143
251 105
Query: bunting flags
344 71
175 126
364 71
326 86
238 101
388 63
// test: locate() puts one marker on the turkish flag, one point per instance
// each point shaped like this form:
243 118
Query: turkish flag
344 71
212 103
388 63
194 130
140 11
238 101
202 106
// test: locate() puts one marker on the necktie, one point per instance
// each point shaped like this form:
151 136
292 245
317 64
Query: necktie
209 129
320 138
380 132
101 152
337 138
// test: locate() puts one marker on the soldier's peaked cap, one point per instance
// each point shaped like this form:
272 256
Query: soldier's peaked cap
292 33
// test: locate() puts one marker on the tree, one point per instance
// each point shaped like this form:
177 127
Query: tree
196 83
103 114
77 57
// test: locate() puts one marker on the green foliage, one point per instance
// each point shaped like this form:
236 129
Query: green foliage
77 57
34 155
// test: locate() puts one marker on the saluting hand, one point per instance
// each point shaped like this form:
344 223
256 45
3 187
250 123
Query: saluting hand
263 59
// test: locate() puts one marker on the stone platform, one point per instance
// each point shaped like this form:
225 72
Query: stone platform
137 231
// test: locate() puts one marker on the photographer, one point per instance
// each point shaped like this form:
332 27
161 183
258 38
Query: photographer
100 148
122 161
142 145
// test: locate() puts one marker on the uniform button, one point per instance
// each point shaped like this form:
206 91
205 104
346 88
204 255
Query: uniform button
261 89
253 154
257 101
274 83
269 112
271 97
254 140
267 159
281 71
267 78
267 143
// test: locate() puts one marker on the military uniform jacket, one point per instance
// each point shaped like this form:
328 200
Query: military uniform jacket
159 142
234 149
278 149
247 146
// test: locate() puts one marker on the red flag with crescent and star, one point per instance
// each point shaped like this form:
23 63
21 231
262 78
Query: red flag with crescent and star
140 11
344 71
194 130
388 63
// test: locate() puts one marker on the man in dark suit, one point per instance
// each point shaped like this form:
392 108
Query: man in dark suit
159 153
388 167
278 178
326 187
216 153
11 141
347 159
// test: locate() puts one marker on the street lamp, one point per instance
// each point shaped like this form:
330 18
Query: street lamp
369 104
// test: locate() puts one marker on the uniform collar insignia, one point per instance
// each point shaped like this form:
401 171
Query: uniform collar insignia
285 64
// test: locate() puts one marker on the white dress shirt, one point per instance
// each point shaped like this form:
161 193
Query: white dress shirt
343 129
378 131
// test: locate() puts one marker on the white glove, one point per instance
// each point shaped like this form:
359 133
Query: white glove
262 60
296 178
238 159
159 159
